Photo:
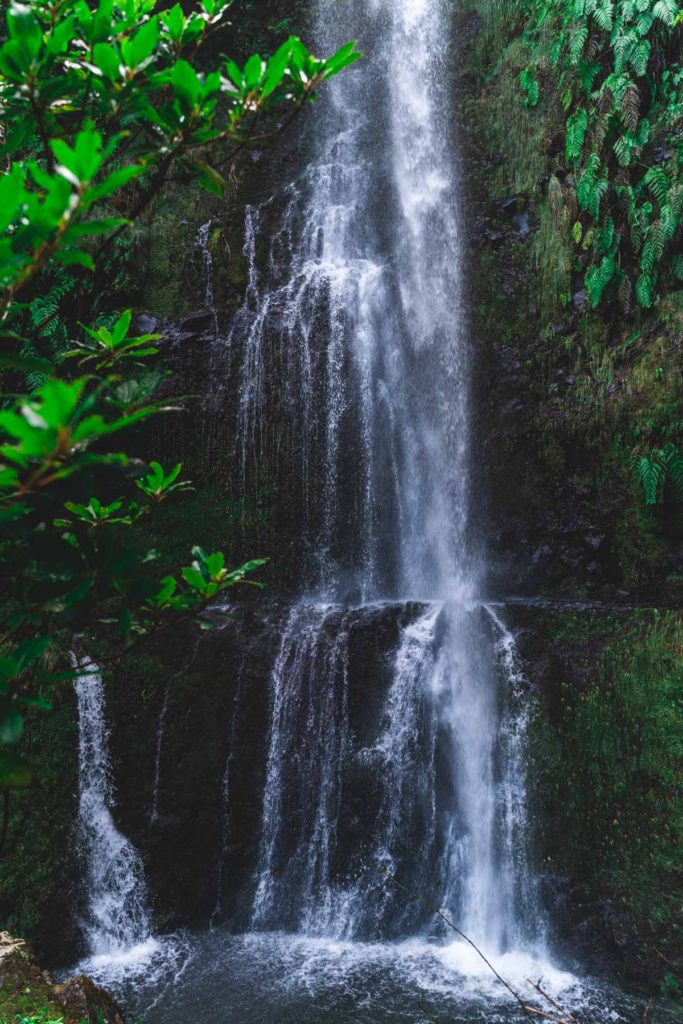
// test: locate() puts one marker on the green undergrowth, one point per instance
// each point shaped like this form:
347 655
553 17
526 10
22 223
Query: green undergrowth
608 745
29 1008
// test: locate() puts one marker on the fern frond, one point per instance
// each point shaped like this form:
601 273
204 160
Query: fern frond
644 289
629 107
577 43
625 294
651 475
638 57
576 135
604 14
658 183
666 11
673 459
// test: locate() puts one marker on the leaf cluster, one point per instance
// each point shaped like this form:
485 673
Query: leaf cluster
102 104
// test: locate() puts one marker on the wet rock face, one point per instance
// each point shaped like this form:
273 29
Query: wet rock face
189 746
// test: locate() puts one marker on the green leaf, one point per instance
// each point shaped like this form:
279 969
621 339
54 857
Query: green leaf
24 28
108 60
138 50
186 83
253 71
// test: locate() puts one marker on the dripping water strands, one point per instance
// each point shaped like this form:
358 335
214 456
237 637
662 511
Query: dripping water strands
226 794
307 745
518 879
203 246
117 918
161 733
161 726
202 243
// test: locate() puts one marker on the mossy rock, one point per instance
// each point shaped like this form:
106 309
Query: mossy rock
31 996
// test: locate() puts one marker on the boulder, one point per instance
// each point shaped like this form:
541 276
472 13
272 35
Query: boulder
27 991
83 1000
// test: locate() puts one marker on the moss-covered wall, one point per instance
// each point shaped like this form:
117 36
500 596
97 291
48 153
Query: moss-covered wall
607 781
39 895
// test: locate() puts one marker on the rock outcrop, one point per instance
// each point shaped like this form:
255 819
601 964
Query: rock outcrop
28 991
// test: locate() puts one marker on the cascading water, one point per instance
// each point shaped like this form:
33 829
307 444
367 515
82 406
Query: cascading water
117 918
362 299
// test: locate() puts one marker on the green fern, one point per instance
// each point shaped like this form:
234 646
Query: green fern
592 186
657 469
530 86
577 125
47 326
598 278
658 183
645 290
666 11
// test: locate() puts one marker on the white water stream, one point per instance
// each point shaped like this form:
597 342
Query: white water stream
116 918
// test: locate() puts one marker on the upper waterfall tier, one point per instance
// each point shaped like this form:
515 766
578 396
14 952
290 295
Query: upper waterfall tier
353 330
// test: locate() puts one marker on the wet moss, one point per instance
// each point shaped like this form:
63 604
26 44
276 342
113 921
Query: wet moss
607 779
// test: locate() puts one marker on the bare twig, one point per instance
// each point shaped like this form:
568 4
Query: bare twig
527 1009
568 1016
447 921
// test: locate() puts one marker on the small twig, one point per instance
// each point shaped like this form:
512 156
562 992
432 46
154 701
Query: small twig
646 1011
544 1014
664 958
552 1002
467 939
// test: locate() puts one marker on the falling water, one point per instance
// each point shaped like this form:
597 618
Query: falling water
117 918
226 795
154 811
361 297
307 746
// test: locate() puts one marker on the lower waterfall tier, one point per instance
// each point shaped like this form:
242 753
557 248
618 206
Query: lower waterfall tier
332 771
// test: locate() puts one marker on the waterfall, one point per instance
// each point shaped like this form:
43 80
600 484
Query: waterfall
116 894
308 739
354 330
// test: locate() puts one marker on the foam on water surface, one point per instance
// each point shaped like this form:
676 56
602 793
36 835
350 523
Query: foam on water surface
274 978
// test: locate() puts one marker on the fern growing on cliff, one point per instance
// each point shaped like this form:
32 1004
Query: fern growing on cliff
658 469
620 77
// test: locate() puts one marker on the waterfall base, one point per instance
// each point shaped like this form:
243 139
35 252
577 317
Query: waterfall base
275 978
